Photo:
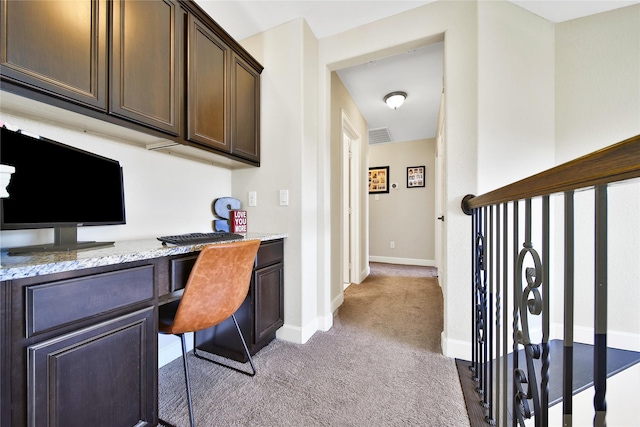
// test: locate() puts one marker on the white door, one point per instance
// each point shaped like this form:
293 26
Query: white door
347 210
351 195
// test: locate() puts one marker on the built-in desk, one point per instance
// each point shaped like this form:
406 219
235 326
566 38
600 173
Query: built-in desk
78 330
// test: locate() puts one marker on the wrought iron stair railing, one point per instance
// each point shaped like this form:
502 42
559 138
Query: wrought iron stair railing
511 284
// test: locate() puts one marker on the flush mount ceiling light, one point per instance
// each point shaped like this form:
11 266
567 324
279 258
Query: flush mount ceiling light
395 99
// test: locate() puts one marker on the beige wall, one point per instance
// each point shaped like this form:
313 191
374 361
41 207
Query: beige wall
342 103
405 216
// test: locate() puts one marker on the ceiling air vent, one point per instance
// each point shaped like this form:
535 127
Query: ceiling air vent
380 135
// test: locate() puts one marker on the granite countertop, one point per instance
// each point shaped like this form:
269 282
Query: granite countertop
38 264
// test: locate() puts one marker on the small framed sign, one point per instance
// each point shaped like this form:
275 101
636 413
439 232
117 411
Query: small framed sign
238 221
379 179
415 176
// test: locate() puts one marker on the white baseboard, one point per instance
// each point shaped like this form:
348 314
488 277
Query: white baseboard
170 348
296 334
335 304
455 348
584 334
364 274
403 261
325 322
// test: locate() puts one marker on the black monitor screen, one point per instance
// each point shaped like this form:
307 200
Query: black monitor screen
55 185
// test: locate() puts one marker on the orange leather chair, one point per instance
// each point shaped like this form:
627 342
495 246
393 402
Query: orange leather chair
217 286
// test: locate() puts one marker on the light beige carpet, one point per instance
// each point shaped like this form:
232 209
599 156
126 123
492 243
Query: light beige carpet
379 365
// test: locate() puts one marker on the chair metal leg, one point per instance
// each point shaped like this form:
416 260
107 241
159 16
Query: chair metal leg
186 378
246 350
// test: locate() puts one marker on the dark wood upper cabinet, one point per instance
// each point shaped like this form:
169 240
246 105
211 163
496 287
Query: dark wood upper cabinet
162 67
146 63
57 47
245 110
207 87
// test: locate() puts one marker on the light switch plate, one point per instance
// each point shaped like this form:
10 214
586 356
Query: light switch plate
284 197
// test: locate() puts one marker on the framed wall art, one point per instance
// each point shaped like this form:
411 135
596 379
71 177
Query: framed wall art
379 179
415 176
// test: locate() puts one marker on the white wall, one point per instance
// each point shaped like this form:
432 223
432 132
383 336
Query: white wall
405 215
289 161
597 92
515 94
163 194
598 104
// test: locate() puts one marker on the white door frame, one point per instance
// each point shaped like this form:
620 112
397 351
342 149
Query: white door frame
351 193
440 202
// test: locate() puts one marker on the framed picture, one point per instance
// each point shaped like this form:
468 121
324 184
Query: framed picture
415 176
379 179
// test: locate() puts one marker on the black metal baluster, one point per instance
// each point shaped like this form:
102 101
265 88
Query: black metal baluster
505 313
480 306
498 332
474 296
544 384
474 267
600 295
490 326
516 303
567 363
525 382
486 320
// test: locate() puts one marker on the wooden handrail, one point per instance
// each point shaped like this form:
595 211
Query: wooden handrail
615 163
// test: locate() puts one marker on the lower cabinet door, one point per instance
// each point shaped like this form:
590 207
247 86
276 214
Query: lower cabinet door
103 375
269 302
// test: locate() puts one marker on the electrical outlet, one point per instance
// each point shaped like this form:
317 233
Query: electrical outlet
253 198
392 245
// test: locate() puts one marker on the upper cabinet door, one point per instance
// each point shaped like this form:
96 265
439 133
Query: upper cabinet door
207 88
57 47
245 110
146 63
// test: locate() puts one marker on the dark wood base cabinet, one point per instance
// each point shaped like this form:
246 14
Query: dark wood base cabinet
80 348
261 314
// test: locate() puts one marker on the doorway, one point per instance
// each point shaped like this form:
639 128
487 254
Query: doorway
350 202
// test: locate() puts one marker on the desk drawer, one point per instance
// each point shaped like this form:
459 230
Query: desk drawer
55 304
269 253
180 270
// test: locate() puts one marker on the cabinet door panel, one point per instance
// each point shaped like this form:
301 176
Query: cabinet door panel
146 63
269 303
245 110
207 87
58 47
99 376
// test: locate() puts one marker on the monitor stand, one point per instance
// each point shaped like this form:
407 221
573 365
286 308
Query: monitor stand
65 239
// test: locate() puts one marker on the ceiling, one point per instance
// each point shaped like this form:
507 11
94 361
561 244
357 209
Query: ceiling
417 72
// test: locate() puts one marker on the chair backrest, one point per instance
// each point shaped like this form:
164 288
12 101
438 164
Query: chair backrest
217 285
